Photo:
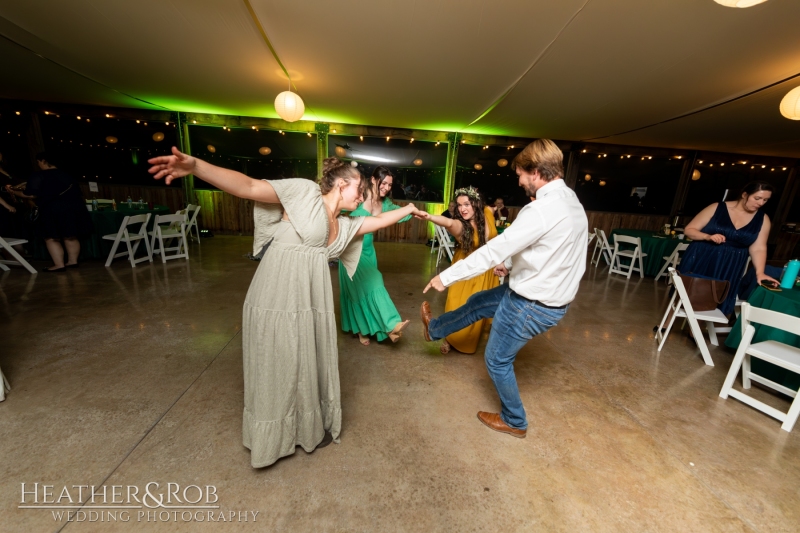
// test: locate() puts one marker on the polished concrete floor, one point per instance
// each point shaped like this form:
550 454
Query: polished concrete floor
126 376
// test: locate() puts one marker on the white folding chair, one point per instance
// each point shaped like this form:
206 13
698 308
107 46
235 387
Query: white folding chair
774 352
672 260
8 245
445 244
680 306
191 212
124 236
601 248
591 238
616 259
5 386
738 304
175 230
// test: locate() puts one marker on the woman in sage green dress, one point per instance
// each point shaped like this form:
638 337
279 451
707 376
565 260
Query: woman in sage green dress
289 338
366 307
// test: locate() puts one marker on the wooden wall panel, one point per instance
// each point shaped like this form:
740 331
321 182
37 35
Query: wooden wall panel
786 247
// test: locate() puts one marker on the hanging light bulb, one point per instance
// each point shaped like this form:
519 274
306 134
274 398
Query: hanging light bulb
418 162
790 104
587 177
111 139
158 136
265 150
502 162
477 166
211 148
289 106
739 3
602 183
340 151
695 175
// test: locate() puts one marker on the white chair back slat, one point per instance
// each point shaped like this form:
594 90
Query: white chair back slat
602 248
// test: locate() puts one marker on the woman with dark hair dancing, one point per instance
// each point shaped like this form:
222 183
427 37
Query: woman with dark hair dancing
290 357
366 307
473 226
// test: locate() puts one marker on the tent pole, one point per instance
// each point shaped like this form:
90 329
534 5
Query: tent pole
183 142
453 140
322 129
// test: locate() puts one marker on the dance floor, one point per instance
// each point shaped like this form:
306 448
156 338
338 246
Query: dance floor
127 376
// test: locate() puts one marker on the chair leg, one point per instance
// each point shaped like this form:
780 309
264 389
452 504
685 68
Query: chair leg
113 252
791 416
734 370
641 264
712 333
701 342
130 253
19 259
665 334
746 372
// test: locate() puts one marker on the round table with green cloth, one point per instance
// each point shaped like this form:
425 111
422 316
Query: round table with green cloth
106 221
787 302
654 245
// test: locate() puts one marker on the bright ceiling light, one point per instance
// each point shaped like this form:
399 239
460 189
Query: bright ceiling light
739 3
375 158
790 105
289 106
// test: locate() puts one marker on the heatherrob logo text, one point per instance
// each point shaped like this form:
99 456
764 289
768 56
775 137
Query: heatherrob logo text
155 502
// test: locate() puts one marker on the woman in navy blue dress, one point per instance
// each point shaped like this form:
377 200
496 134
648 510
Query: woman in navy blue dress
725 234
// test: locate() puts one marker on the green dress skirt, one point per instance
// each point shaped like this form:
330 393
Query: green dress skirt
366 307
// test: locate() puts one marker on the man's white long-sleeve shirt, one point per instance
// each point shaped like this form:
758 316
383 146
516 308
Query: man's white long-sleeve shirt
546 244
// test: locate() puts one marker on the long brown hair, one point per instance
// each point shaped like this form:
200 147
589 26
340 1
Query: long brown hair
379 174
466 242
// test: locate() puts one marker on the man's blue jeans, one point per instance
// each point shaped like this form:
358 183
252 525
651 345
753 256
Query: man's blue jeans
516 321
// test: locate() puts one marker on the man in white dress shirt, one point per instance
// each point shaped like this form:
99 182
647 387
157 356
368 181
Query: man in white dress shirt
545 250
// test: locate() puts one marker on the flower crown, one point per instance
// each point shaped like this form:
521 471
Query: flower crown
470 192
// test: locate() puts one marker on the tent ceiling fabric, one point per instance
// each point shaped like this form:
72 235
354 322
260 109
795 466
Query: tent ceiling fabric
614 71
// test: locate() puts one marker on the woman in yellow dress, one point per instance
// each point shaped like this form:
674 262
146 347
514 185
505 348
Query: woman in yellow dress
473 226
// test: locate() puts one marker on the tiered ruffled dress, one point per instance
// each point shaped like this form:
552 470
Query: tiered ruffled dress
289 338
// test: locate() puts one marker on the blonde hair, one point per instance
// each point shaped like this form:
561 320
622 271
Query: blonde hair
542 155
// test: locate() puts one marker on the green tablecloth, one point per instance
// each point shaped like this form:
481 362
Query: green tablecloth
787 302
655 246
106 221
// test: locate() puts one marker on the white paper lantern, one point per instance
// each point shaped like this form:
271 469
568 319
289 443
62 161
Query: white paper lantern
111 139
502 162
739 3
588 177
695 175
211 148
289 106
418 162
265 150
790 105
602 183
353 164
158 136
477 166
340 151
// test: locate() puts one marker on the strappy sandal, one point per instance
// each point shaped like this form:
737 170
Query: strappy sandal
397 332
363 340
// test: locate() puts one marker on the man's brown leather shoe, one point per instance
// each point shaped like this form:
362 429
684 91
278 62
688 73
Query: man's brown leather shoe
426 315
496 423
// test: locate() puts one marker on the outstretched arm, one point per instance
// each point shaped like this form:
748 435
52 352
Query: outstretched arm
449 224
372 224
179 165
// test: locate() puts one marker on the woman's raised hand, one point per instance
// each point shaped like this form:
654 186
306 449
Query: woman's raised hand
422 215
172 166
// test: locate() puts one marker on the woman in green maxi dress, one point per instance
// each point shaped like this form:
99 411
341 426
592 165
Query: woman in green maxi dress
289 339
366 308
